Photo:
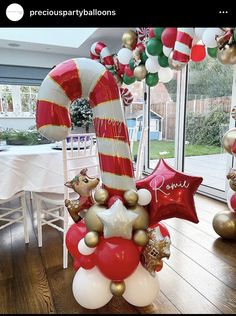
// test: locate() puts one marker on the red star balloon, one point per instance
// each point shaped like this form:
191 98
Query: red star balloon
172 193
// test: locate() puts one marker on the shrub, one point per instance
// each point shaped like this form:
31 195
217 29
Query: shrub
206 130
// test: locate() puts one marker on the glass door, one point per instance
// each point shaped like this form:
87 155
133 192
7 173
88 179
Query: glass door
208 106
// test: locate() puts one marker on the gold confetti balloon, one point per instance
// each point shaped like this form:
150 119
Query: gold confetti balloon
140 72
227 55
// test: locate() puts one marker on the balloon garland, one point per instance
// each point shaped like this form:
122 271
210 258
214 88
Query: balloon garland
100 52
117 243
151 54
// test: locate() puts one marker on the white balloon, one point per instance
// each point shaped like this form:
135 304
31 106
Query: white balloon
144 197
84 249
166 50
152 65
199 31
141 288
165 74
91 288
124 55
209 36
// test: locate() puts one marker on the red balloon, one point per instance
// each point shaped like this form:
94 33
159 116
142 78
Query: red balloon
172 193
113 199
140 47
168 37
128 72
76 264
151 32
233 202
198 53
75 233
117 258
87 262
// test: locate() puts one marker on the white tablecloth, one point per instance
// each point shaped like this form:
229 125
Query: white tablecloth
37 168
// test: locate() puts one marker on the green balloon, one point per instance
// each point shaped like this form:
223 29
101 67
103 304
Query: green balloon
131 64
235 34
154 47
128 80
212 52
163 61
158 31
152 79
144 57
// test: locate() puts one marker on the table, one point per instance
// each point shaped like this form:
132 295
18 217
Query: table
37 168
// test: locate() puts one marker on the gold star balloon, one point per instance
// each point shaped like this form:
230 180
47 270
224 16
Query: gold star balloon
118 221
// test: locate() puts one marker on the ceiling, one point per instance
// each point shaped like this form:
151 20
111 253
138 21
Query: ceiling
69 41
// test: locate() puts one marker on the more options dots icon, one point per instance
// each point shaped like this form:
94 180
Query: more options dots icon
14 12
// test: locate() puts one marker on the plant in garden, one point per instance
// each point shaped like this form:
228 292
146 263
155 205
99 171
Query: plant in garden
206 130
81 114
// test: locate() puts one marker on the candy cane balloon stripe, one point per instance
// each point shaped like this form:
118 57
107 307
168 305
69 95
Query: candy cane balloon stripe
183 44
100 51
84 77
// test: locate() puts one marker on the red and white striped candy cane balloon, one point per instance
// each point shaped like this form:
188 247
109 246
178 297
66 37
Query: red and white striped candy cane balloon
100 52
183 44
82 78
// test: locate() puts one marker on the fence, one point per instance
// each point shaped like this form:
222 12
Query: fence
167 109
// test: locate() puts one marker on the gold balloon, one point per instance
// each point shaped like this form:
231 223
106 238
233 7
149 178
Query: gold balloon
101 196
129 39
228 139
91 219
227 55
142 222
174 64
91 239
140 237
117 288
131 197
224 224
140 72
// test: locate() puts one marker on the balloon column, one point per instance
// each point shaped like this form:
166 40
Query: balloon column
118 241
153 53
224 223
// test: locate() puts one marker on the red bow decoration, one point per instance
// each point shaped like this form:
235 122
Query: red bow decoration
172 193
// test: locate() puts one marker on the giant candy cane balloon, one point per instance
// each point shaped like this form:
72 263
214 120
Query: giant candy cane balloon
82 77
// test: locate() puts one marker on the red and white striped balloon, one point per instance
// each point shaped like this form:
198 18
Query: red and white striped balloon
100 52
126 96
82 77
183 44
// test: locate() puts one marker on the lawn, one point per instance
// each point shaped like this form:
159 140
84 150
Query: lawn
165 149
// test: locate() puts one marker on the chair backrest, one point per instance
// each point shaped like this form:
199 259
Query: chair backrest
79 152
132 131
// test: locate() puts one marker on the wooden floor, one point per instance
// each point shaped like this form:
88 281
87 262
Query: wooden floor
199 277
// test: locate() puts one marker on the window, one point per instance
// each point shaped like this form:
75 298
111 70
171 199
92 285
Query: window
17 100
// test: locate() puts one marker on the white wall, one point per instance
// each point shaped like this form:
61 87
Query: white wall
30 58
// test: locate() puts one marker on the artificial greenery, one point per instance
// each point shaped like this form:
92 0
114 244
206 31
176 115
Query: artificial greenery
81 114
207 129
17 137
